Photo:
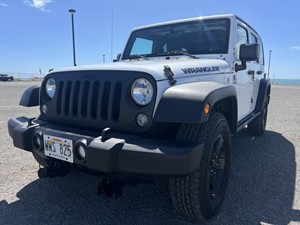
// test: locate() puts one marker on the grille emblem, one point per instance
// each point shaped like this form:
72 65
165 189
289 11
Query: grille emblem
87 76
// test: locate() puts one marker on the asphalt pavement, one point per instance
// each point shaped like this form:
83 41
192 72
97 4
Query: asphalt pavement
264 186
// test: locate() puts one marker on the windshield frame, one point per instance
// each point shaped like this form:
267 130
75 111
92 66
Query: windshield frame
139 34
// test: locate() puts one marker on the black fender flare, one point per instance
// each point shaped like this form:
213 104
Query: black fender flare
185 103
264 90
31 96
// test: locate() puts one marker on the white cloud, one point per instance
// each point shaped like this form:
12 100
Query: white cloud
295 48
3 4
38 4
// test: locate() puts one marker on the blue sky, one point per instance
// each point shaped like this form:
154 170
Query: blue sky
36 34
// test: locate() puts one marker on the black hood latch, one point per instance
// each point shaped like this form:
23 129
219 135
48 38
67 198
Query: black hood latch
170 75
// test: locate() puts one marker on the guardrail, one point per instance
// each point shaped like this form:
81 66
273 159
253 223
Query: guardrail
19 76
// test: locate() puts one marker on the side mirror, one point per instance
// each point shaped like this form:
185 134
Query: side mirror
248 52
118 58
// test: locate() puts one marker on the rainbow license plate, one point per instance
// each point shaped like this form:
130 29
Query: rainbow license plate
59 148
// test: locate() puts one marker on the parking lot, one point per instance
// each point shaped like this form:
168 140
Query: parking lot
264 185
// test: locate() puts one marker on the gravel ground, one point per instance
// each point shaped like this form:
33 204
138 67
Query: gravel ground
264 183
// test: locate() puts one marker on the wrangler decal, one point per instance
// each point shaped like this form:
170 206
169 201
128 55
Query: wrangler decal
200 69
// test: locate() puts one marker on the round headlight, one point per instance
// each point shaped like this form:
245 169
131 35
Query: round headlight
50 87
142 91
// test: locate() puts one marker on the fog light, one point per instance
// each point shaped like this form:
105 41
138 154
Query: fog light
44 109
142 120
37 141
80 150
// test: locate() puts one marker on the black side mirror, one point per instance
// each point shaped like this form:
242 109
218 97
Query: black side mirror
248 52
118 58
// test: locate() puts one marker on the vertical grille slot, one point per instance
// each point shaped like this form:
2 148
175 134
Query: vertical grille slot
94 102
84 100
116 101
75 98
59 97
105 100
66 101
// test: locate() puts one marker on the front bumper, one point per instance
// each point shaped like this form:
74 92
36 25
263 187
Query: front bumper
117 152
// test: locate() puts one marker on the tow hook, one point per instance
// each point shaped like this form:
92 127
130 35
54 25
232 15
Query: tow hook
53 170
109 187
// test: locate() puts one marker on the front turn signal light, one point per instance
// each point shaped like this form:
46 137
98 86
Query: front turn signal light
206 108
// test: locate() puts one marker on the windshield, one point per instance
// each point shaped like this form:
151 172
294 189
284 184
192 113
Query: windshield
198 37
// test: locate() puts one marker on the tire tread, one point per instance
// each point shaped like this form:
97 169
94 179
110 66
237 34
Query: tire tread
185 191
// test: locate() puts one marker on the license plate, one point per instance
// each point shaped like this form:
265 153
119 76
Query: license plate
59 148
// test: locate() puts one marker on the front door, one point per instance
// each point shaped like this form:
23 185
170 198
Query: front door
244 79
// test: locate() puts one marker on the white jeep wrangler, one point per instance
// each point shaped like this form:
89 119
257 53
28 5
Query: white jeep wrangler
167 107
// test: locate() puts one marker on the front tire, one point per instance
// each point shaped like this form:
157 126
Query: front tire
200 194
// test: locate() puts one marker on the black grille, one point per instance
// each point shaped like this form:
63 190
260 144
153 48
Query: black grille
94 100
89 99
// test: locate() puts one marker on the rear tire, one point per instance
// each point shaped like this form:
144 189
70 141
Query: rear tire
200 194
257 126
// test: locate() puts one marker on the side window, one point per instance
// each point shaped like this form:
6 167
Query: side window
261 58
242 38
142 46
253 39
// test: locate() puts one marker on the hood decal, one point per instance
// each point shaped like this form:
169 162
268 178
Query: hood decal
201 69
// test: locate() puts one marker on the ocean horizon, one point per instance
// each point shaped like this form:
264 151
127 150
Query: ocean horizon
286 81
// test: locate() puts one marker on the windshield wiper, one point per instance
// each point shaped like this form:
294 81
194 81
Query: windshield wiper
179 52
138 56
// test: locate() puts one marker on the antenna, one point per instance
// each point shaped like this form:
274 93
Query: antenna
112 35
270 52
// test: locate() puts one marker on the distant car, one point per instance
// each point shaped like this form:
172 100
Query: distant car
5 77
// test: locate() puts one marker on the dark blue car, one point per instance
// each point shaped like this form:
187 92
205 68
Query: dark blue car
5 77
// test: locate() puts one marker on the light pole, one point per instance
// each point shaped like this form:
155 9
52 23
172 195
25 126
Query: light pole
72 11
270 53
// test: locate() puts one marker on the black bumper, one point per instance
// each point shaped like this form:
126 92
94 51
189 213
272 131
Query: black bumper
119 153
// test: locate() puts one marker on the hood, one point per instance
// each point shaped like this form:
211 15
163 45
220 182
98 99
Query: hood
182 67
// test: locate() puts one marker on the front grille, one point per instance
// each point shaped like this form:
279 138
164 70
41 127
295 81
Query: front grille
89 99
94 100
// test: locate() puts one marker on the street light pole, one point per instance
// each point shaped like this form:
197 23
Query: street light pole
270 52
72 11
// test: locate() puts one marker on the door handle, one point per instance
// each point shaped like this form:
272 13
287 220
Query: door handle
259 72
251 72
